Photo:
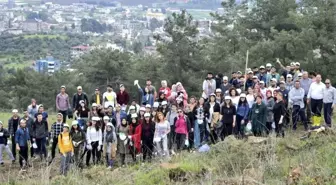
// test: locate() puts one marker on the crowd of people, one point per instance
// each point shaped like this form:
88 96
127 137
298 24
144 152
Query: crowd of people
113 126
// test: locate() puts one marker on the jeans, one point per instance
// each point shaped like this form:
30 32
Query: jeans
327 108
171 137
298 111
316 107
77 155
199 133
13 147
65 114
180 141
6 147
147 149
23 156
94 153
53 147
164 142
41 147
65 163
239 128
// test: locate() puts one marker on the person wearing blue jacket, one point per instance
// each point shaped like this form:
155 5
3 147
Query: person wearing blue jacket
242 115
22 139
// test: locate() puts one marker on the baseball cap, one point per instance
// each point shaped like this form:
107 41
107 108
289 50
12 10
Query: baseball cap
300 74
74 122
254 77
250 72
94 105
289 76
142 109
156 104
218 90
243 95
297 63
262 67
227 98
109 124
79 87
268 65
63 87
132 107
134 115
148 106
66 125
106 118
147 115
225 78
164 103
15 111
95 118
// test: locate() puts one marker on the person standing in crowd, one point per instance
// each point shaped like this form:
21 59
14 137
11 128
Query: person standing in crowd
80 95
63 103
172 114
209 86
284 92
219 80
110 145
66 149
123 97
22 140
329 102
32 108
273 75
250 98
97 98
162 129
182 128
94 139
118 115
135 136
213 110
191 117
296 96
56 129
289 82
242 115
41 133
273 85
82 113
219 97
279 111
123 142
225 85
200 123
162 97
270 115
165 89
13 126
228 117
234 79
257 117
4 135
262 76
249 81
147 137
315 99
305 83
78 139
29 125
233 93
109 97
268 68
44 113
179 95
146 94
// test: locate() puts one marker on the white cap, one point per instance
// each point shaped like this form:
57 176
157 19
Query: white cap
255 77
300 74
292 63
218 90
106 118
109 124
94 105
282 82
268 65
274 80
164 103
262 67
262 82
156 104
66 125
297 63
243 95
74 122
95 118
239 72
132 107
134 115
250 72
147 114
142 109
15 111
148 106
79 87
225 78
227 98
289 76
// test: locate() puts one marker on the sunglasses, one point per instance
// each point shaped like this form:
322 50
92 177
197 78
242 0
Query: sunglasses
327 83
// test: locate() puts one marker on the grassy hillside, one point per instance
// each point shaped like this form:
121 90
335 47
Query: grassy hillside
266 161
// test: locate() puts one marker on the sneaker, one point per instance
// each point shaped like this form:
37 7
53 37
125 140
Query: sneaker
23 170
109 168
173 153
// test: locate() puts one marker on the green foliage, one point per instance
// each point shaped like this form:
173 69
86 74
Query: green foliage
92 25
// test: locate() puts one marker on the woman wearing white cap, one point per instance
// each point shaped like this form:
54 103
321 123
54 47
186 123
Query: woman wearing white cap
110 140
219 96
162 129
228 117
78 140
94 138
135 136
130 112
242 115
164 108
147 137
123 141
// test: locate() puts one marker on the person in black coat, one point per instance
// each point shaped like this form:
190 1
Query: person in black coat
147 137
191 117
279 110
212 108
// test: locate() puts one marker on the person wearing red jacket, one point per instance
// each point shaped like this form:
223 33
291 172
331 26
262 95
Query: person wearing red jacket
123 97
165 89
135 136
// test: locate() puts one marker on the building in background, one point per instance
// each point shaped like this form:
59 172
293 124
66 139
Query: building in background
11 4
48 65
